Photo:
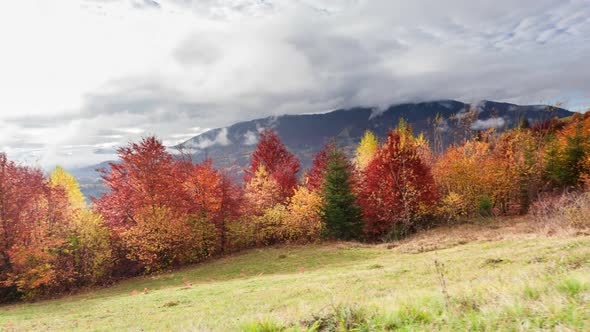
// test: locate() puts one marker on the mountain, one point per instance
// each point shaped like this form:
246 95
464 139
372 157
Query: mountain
230 147
304 134
89 179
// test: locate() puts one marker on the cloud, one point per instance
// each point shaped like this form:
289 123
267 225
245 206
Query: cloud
250 138
488 123
79 72
204 142
146 4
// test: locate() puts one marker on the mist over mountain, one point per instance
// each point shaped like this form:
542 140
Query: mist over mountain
230 147
305 134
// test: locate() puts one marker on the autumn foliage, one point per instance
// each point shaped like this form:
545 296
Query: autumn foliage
314 179
282 166
398 188
166 212
162 211
35 254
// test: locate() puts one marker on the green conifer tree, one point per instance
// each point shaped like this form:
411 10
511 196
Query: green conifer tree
340 214
575 153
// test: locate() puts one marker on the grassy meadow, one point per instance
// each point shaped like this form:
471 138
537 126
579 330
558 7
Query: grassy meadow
501 275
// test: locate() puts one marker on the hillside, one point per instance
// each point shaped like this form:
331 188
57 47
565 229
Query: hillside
304 134
499 275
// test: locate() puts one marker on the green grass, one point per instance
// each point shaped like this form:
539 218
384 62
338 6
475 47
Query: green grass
521 283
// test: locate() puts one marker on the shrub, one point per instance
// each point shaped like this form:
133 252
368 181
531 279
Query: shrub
484 206
453 207
568 209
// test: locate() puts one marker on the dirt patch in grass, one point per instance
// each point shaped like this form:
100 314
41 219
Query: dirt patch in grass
493 262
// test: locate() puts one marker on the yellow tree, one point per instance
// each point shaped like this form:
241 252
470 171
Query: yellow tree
303 223
366 150
59 177
262 192
89 237
424 151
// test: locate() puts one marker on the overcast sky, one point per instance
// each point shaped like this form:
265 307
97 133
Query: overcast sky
79 78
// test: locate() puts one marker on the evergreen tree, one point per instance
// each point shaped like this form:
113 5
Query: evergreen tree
553 161
565 160
574 154
340 214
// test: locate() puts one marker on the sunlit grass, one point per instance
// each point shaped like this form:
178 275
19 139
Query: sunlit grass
524 282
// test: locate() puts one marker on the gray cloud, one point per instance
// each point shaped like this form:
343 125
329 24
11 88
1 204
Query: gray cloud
146 4
243 59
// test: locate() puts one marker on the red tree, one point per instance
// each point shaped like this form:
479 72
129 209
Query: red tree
165 212
398 186
20 190
145 176
146 208
281 164
314 179
34 221
213 196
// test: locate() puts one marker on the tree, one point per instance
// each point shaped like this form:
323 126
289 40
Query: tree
303 222
314 179
230 208
280 164
91 247
341 214
365 152
554 170
474 172
202 185
145 176
269 227
212 197
34 219
60 178
165 212
566 153
398 187
585 178
88 237
262 192
160 239
576 148
147 208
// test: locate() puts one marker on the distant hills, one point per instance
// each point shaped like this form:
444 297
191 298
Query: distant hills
89 179
305 134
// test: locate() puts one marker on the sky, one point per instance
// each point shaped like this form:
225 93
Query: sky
80 78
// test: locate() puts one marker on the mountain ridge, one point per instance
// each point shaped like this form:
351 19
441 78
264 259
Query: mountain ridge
304 134
230 147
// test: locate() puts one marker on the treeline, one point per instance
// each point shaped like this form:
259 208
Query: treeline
163 211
